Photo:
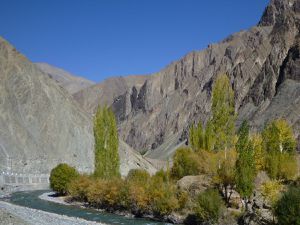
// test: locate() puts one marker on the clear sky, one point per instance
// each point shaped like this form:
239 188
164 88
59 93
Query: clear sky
102 38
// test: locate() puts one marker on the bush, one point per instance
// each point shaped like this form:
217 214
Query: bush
185 162
78 187
138 176
163 197
108 194
95 193
287 208
271 191
209 206
61 176
139 199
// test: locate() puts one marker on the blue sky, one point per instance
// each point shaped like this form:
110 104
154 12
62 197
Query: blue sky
102 38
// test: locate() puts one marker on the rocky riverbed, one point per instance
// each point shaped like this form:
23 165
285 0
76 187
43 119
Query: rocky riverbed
13 214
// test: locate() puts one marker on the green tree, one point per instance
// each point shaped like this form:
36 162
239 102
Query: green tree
197 137
61 176
259 153
280 144
287 209
225 178
245 164
278 137
223 114
209 139
107 161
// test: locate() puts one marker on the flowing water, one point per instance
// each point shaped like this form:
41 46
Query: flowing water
31 199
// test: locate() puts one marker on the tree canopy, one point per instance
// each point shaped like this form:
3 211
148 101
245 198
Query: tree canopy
107 161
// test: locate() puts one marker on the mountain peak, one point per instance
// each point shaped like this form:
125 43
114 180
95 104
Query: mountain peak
279 11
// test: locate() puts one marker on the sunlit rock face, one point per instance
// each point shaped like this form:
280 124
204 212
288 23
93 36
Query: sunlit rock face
40 123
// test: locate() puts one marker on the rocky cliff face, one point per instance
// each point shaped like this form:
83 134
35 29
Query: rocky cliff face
40 123
263 65
107 92
64 79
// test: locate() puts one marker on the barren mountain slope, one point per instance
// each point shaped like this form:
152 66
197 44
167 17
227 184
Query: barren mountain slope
40 123
66 80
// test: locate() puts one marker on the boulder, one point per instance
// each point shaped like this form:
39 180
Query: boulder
195 184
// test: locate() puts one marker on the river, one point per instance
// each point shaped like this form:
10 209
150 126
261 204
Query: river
31 199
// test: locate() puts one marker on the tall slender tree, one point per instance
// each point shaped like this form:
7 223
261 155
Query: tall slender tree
223 114
196 137
245 164
107 161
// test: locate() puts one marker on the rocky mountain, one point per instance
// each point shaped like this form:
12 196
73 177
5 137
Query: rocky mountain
107 92
263 65
40 123
66 80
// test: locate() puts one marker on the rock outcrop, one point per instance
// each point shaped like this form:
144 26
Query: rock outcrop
107 92
263 65
40 123
64 79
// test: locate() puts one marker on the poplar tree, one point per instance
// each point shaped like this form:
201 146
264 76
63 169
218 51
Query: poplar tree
280 145
223 114
197 137
222 125
245 164
209 137
107 161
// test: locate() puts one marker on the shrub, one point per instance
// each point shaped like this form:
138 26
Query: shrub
61 176
163 196
185 162
78 187
164 199
164 175
108 194
209 206
95 193
271 191
287 208
139 199
209 162
138 176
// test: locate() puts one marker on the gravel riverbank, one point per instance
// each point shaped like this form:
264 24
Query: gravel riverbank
50 196
13 214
